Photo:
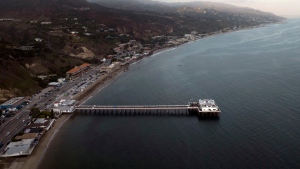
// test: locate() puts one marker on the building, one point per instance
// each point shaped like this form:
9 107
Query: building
15 103
108 69
41 123
38 39
55 84
190 36
61 80
64 106
19 148
208 105
77 70
64 109
46 23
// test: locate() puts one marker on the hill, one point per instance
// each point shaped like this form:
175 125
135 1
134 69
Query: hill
46 37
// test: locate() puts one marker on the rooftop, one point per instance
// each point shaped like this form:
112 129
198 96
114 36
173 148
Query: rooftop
12 101
78 68
207 103
41 121
16 101
18 148
27 136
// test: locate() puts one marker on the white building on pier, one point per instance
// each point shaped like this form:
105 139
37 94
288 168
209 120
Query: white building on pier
208 105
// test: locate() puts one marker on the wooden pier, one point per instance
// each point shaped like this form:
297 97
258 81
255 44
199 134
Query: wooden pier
180 110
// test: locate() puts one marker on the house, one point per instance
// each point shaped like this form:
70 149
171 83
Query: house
61 80
19 148
34 21
46 23
190 36
38 39
77 70
108 69
107 62
147 52
74 32
55 84
42 123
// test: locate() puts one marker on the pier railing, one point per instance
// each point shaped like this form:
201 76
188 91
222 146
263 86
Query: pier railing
146 110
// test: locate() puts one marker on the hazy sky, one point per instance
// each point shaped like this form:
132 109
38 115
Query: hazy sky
278 7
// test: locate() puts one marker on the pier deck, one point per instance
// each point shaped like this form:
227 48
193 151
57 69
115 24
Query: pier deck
147 110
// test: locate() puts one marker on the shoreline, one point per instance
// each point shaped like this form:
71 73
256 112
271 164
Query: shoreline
33 161
100 84
114 76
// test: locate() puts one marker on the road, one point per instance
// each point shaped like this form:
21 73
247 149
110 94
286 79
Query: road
17 123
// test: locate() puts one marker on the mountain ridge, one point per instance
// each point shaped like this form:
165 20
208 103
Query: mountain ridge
75 26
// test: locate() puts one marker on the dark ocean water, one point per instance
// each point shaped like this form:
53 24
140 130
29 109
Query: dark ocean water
253 75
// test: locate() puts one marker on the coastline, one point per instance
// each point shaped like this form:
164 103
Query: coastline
100 84
105 81
33 161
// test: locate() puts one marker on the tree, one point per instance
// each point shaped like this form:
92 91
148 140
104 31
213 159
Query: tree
52 114
34 112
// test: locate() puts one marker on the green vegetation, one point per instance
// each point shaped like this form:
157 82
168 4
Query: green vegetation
46 114
36 113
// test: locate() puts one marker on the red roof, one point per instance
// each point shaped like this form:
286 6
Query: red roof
78 68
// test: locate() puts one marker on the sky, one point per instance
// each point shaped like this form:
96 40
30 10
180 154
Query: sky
286 8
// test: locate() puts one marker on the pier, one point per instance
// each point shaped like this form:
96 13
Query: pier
207 110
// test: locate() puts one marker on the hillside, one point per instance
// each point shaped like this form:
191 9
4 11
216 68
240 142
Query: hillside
45 37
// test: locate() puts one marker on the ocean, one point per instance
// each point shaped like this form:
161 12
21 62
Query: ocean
254 77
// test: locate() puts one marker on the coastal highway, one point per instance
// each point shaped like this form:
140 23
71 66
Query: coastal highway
17 123
13 127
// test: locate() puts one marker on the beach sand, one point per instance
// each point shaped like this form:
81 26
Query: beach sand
32 161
